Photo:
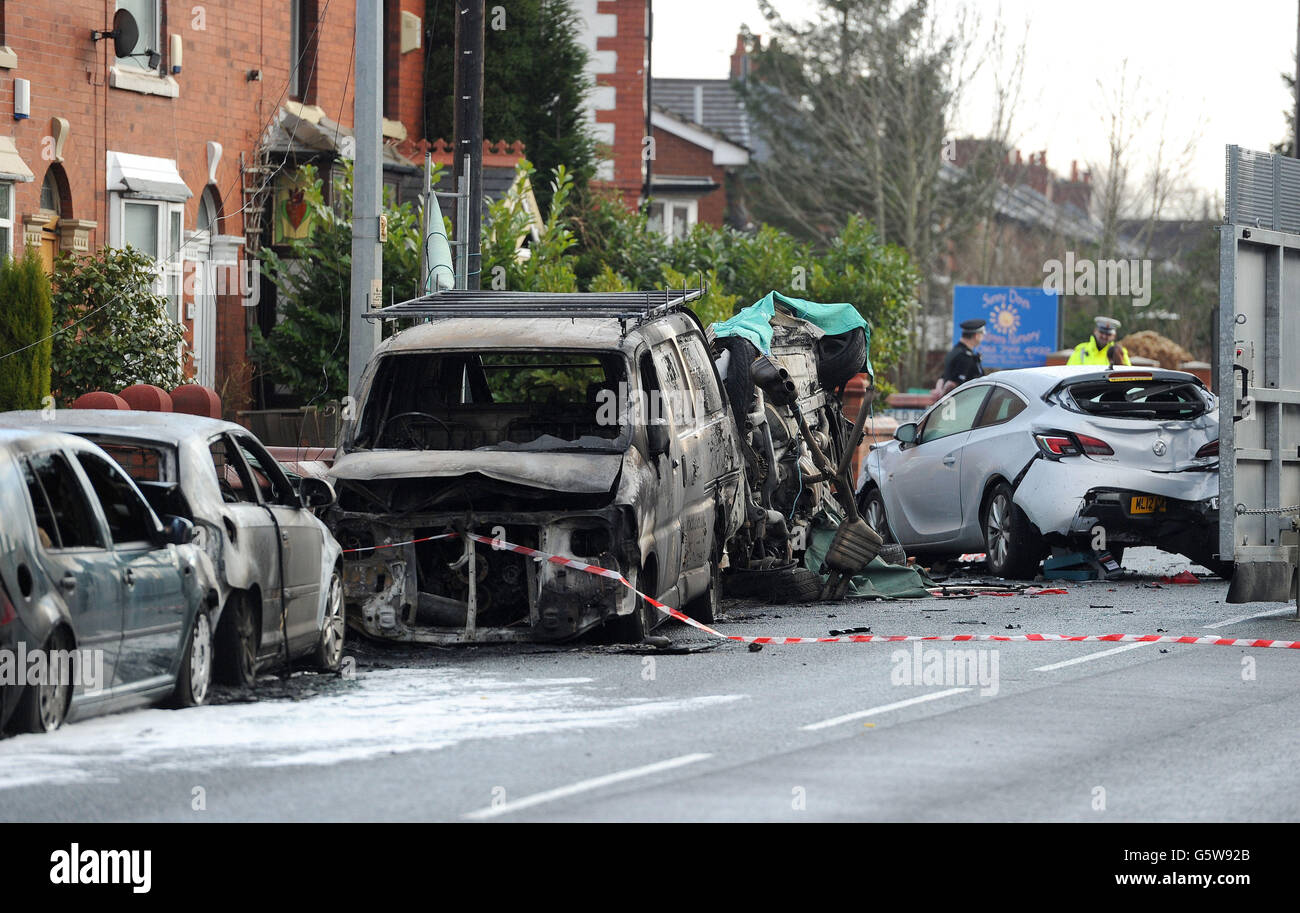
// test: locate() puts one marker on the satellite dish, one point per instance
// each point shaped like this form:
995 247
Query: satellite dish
126 33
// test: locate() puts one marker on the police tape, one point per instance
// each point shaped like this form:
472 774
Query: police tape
610 573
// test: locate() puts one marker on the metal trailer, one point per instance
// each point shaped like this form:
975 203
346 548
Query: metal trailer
1258 374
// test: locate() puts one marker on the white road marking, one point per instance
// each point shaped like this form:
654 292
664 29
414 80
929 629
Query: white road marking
1267 613
899 705
583 786
1083 659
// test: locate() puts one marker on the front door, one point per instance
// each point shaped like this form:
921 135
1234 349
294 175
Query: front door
300 540
150 577
75 557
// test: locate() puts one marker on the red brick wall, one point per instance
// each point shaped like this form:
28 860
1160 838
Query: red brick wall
675 156
69 78
629 82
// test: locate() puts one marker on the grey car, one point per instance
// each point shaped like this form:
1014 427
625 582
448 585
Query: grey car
279 569
88 571
1024 460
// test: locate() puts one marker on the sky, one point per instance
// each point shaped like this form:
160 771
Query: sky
1205 72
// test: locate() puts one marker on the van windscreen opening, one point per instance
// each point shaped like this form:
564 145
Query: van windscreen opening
497 400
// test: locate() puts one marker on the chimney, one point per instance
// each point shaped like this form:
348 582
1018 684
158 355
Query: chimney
740 60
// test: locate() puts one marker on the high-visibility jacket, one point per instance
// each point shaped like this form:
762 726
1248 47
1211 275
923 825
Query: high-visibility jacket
1087 353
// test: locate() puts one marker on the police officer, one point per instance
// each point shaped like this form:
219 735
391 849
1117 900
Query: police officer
1101 347
963 362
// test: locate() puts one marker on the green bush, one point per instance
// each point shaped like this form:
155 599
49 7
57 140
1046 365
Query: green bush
307 351
25 322
113 328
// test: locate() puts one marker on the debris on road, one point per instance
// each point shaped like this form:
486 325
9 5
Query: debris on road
1184 576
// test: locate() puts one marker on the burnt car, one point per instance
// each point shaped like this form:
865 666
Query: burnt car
591 426
102 607
786 362
279 570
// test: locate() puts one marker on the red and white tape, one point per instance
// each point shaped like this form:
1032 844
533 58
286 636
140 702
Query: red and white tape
865 638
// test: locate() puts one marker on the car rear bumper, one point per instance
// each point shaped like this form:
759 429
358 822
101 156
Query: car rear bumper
1066 499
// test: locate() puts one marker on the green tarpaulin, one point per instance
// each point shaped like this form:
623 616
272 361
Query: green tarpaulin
877 579
755 322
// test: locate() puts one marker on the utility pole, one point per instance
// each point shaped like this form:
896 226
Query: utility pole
367 190
467 132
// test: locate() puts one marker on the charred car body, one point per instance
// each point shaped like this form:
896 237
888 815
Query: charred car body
591 426
786 362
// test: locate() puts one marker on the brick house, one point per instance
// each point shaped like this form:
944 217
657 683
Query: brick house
176 153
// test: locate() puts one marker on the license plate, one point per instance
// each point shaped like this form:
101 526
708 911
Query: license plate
1146 504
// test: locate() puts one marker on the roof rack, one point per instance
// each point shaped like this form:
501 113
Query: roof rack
632 308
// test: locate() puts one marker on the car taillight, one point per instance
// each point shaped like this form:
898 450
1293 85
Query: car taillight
1057 445
1209 450
1094 446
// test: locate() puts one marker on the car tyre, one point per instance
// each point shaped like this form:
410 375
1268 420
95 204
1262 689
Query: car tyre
871 505
707 606
195 677
329 649
781 586
633 627
236 643
1012 549
43 708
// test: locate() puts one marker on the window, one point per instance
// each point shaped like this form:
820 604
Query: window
1003 406
674 218
232 475
675 401
954 415
51 199
63 515
154 228
6 219
302 50
702 376
144 464
270 479
147 19
130 519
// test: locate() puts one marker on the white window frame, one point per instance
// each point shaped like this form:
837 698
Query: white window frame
7 190
169 261
147 42
669 205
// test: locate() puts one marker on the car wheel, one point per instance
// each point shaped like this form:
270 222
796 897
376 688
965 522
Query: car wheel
1008 541
708 605
783 586
236 643
892 553
329 651
632 628
196 664
44 707
872 508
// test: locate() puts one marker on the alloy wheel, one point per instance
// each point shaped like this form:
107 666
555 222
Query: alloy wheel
997 534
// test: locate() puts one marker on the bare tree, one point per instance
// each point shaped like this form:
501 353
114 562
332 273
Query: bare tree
857 108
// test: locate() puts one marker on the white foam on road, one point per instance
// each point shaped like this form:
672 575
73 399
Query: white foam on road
384 712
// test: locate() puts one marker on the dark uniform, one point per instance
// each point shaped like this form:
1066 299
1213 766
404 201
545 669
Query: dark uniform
963 363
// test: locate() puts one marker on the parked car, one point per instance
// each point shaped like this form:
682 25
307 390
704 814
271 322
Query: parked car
85 565
585 425
279 569
1020 461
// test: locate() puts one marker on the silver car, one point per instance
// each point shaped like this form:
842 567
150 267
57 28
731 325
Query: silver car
1075 457
279 569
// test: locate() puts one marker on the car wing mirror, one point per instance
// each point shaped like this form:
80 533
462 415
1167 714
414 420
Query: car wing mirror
656 434
178 531
906 434
315 492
